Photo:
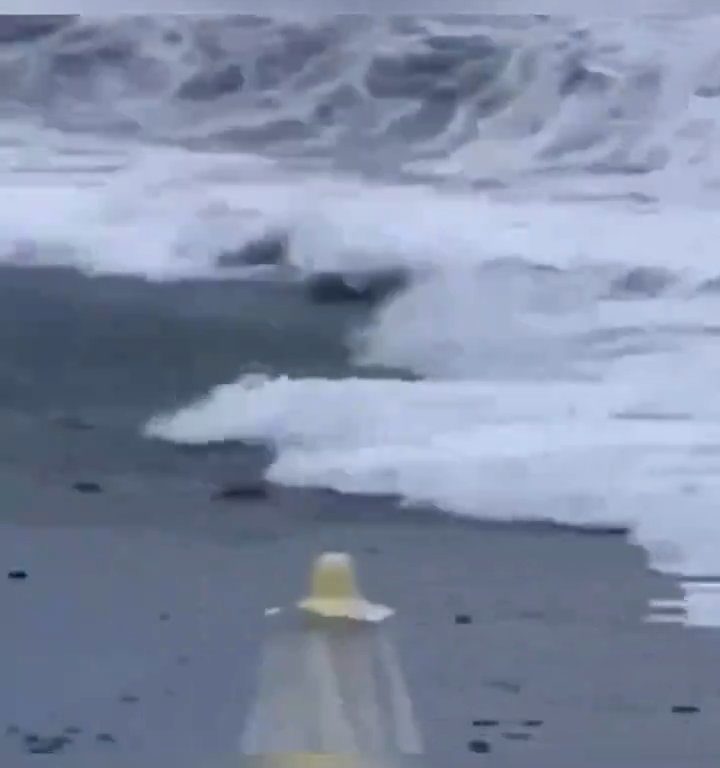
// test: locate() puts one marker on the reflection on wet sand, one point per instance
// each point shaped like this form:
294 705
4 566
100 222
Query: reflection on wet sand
331 690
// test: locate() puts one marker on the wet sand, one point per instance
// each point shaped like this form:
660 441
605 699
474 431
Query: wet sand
141 618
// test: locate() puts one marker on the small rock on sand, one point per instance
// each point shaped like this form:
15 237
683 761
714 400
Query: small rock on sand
38 745
241 492
86 486
479 746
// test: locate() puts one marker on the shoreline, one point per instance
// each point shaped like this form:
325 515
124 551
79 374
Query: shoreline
140 580
148 589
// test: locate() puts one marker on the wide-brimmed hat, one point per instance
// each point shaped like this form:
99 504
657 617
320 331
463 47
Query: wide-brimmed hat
334 592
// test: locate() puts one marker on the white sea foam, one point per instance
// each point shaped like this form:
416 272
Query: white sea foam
530 372
556 386
641 452
164 212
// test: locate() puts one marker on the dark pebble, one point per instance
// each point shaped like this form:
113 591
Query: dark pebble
164 617
87 487
244 492
516 736
47 746
532 723
128 698
105 738
17 575
485 723
479 746
463 618
12 730
685 709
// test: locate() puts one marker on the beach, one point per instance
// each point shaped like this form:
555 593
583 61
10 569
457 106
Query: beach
439 292
142 616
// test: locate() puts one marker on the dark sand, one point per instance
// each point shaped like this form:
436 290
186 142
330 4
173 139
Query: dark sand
141 618
151 591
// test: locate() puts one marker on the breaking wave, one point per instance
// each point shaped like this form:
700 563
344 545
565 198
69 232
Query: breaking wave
527 205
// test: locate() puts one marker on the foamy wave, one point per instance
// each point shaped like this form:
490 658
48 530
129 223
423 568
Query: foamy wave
627 451
491 97
547 187
110 208
167 212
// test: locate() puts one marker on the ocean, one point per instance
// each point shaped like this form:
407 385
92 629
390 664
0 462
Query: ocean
462 263
466 261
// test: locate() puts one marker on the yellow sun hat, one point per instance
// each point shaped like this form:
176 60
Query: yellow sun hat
334 593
